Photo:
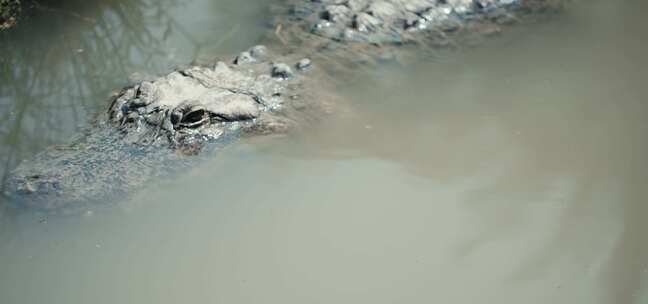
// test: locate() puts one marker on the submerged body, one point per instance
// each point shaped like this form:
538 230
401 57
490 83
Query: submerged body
393 21
158 126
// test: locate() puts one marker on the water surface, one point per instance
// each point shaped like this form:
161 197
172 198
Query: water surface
508 173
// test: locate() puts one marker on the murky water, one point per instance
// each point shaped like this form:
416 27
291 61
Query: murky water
509 173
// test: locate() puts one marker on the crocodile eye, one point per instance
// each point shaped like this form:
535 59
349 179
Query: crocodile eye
194 118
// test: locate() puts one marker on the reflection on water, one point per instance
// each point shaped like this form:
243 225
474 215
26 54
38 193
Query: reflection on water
59 66
510 173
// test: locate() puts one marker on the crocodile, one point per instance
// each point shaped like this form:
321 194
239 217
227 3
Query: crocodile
161 126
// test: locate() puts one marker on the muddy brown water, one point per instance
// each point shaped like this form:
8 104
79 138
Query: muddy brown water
512 172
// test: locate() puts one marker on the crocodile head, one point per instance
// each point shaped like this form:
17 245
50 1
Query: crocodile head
189 106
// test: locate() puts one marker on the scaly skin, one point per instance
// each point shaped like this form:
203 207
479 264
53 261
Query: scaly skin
394 21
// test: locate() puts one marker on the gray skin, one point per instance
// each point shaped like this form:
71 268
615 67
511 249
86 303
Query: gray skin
365 32
162 126
395 21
